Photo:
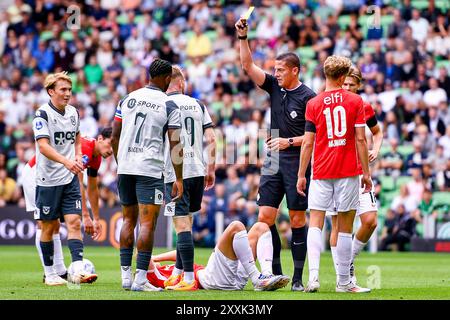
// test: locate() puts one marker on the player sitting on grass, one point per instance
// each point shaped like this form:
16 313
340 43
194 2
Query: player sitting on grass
232 262
93 150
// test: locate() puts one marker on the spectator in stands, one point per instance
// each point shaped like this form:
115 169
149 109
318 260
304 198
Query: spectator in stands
7 189
392 162
434 95
408 202
416 186
399 229
418 157
204 227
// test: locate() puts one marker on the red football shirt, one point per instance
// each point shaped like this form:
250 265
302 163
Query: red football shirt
87 149
335 114
371 121
165 272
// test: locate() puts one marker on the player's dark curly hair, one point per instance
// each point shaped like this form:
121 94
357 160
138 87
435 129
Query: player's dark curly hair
106 132
160 67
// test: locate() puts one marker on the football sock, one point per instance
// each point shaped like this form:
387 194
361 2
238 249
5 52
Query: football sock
344 256
264 252
58 265
142 261
37 242
178 261
141 276
334 255
76 249
276 244
126 255
186 248
47 254
298 249
243 252
357 247
314 240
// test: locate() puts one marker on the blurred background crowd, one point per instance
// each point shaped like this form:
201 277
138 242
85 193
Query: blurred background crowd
401 46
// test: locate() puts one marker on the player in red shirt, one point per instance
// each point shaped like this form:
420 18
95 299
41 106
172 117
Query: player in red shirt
93 150
367 208
335 129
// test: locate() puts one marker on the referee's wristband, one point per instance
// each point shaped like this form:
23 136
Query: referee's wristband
242 37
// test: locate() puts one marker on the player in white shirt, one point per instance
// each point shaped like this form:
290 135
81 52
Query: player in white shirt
195 123
141 121
58 161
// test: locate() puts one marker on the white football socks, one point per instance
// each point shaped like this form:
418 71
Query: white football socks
357 247
58 258
37 241
264 252
314 243
344 256
243 252
334 255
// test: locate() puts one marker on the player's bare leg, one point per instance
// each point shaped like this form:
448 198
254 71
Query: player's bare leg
298 247
314 243
344 253
130 215
268 216
76 247
148 215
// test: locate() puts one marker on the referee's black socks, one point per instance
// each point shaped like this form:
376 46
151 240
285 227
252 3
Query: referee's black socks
276 243
298 249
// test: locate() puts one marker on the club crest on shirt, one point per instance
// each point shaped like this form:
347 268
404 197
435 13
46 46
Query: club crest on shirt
158 197
293 114
39 125
45 210
73 120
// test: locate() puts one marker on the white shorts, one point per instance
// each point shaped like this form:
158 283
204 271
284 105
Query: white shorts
334 194
367 203
221 273
29 187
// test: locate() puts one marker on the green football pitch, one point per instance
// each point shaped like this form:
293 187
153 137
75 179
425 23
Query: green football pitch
423 276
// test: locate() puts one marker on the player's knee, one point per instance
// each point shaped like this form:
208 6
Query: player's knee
261 227
266 218
371 223
236 226
74 225
298 220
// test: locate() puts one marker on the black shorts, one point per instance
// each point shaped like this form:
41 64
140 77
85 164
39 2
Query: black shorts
281 179
191 200
134 189
52 203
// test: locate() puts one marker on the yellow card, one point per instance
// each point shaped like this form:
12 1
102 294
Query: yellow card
248 13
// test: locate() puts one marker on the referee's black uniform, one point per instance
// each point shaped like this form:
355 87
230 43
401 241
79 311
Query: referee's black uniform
279 176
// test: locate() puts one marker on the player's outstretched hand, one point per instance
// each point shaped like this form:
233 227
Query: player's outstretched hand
97 229
177 190
241 27
301 186
74 166
88 225
366 183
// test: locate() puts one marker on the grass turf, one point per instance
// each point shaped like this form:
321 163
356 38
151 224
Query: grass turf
416 276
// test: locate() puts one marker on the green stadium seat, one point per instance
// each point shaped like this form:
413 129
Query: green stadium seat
67 35
384 150
443 5
443 63
46 35
420 4
344 21
139 19
405 150
212 35
306 53
441 198
403 180
122 19
387 183
251 34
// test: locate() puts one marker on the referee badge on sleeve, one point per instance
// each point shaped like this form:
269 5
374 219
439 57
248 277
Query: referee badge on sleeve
293 114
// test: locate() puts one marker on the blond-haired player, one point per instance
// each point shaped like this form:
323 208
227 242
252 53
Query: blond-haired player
335 129
367 208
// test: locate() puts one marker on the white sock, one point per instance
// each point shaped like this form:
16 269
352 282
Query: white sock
126 272
344 256
357 247
176 271
242 249
334 255
188 277
37 241
141 276
48 270
58 258
314 244
264 252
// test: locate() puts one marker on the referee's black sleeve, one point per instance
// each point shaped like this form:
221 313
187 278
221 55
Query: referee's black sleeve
310 127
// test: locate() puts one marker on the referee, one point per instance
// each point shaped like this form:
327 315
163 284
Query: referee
288 98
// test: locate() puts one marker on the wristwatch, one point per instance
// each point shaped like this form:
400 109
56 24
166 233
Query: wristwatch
291 142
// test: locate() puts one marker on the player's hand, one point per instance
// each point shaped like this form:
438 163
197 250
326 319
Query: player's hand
373 155
97 229
301 186
88 225
241 27
366 183
276 144
210 179
73 166
177 190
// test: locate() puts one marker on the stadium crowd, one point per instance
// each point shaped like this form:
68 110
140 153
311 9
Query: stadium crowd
403 53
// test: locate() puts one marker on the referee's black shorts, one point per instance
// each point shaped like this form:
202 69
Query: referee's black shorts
279 178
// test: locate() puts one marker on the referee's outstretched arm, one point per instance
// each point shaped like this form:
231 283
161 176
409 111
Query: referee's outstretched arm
254 72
